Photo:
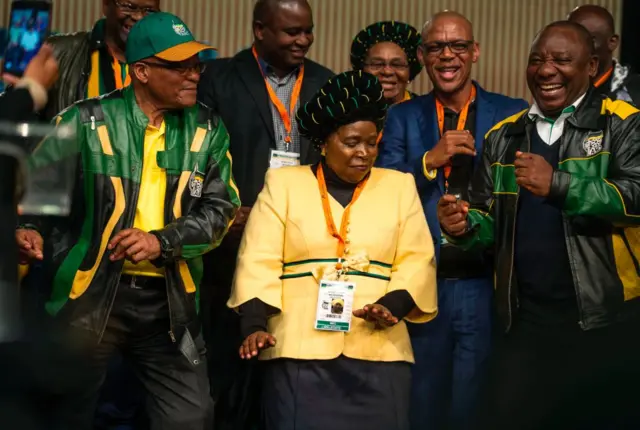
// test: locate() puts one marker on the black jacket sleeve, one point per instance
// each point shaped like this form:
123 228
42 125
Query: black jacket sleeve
202 228
16 105
253 316
399 303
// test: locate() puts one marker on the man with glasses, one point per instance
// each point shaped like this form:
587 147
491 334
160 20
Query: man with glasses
438 138
93 63
155 192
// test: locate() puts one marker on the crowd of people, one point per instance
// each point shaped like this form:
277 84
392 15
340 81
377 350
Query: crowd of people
257 242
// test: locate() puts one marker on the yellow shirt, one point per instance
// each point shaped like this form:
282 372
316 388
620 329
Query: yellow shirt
150 209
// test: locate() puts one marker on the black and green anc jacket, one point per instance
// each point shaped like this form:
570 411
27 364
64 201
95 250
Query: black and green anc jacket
597 186
200 204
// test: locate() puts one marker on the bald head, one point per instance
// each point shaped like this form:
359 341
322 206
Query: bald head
583 37
264 10
448 16
592 11
448 53
283 33
561 66
600 24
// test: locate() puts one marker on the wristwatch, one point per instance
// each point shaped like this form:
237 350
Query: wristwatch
166 250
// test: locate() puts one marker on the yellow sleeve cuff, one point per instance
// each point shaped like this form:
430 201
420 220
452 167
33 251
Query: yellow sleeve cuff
23 269
429 174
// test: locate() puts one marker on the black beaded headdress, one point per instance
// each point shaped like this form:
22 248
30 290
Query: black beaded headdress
400 33
346 98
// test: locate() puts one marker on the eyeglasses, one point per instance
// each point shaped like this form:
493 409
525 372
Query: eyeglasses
131 9
396 66
455 46
181 68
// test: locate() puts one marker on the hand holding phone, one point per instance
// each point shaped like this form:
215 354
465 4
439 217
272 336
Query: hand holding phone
43 68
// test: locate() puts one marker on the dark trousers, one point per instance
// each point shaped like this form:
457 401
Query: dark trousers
451 354
337 394
546 378
235 383
121 399
177 392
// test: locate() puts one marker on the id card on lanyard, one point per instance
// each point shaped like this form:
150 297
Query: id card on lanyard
335 305
462 120
335 297
287 157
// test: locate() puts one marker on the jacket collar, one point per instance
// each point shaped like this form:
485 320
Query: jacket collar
249 71
98 33
535 113
134 113
138 118
586 115
267 70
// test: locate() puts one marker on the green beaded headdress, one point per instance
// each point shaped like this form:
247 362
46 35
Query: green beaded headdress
400 33
346 98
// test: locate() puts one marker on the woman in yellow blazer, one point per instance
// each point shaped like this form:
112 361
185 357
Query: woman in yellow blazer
334 257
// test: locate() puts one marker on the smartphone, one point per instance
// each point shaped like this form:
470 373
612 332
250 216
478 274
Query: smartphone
29 26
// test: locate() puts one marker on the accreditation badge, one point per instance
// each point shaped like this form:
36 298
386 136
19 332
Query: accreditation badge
283 158
335 304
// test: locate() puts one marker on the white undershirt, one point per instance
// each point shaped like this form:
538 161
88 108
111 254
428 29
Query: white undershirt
548 129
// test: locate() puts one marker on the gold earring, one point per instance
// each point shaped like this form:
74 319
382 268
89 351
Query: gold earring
323 152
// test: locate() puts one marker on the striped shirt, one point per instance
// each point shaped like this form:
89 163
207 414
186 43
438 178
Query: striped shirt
283 87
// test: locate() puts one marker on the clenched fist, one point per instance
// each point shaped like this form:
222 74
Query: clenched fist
452 214
533 173
453 142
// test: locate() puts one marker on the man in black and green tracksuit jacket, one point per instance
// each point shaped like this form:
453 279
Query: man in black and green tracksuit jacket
557 199
154 192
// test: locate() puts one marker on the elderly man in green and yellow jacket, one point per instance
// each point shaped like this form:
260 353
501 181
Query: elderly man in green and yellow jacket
154 192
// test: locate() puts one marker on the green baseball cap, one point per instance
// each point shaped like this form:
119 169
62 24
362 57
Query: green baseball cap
162 35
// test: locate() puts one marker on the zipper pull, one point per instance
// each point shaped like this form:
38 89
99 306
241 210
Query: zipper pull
93 122
172 336
209 125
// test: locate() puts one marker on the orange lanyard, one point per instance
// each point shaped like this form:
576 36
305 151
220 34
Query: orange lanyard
117 72
328 216
407 96
603 78
462 120
295 95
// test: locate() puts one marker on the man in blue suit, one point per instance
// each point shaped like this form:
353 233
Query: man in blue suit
438 138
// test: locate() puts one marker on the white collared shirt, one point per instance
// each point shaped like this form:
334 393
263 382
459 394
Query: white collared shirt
548 129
